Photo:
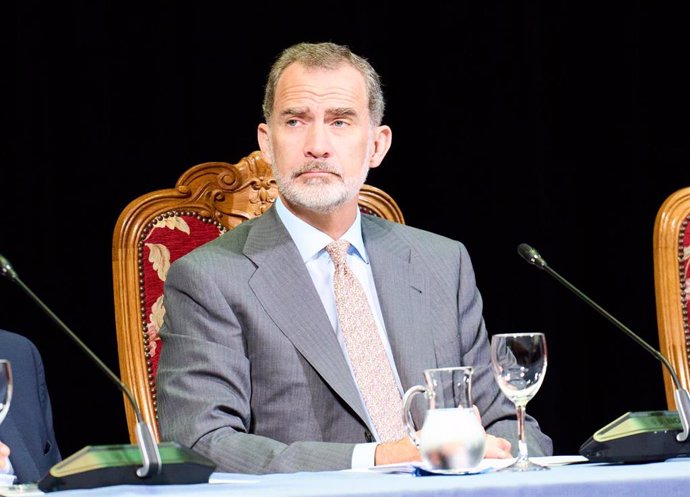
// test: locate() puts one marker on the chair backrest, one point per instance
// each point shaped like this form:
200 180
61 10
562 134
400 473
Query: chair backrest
672 286
159 227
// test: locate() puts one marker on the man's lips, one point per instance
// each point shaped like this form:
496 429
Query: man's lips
316 172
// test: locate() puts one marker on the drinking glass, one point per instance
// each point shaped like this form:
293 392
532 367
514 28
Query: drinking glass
519 363
5 387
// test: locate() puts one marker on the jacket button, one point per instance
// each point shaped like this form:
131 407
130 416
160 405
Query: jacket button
368 436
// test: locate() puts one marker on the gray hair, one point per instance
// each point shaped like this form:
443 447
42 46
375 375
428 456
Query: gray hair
325 56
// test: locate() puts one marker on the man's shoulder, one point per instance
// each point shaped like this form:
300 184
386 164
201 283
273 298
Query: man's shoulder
14 345
412 234
11 338
230 244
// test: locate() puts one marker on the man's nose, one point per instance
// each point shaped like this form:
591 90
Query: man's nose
318 143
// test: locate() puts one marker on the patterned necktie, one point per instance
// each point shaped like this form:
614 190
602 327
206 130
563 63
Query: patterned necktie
370 364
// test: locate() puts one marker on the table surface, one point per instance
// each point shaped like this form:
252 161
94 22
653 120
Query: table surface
665 479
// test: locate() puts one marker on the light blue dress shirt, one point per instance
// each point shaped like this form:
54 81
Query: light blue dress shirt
311 244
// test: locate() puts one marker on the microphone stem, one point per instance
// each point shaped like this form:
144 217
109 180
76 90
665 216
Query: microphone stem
82 346
620 325
150 455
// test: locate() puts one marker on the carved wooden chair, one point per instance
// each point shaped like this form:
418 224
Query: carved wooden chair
159 227
672 285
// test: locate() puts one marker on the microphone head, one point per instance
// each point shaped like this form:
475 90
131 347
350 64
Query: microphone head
531 255
6 268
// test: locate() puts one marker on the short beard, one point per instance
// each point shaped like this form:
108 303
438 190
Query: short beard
317 194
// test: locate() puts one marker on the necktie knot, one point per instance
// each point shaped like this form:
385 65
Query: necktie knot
338 252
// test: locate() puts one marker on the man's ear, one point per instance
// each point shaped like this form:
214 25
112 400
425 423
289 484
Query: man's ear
383 136
263 135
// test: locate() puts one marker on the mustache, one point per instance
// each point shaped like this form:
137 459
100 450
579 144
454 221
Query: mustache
315 165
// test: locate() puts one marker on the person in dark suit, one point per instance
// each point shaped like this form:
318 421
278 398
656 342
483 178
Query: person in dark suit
254 371
27 431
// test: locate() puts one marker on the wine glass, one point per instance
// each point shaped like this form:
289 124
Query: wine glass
5 387
519 363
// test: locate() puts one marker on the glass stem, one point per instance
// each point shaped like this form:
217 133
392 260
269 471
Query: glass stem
522 442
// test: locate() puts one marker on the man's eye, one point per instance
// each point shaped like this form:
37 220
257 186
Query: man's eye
292 122
339 124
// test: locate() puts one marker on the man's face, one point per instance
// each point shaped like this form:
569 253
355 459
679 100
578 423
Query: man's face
320 140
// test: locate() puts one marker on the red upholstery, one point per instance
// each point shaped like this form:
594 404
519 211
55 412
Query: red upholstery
684 255
168 239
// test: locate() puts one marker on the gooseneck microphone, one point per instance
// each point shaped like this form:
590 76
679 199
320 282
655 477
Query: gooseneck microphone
113 464
633 437
150 456
533 257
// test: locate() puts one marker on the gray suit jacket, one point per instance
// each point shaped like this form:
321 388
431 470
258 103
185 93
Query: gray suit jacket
251 373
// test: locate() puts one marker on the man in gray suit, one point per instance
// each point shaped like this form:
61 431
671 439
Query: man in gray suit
254 372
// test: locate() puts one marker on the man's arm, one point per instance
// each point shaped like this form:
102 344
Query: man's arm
205 387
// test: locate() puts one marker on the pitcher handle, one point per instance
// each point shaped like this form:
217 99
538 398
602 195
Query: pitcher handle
407 415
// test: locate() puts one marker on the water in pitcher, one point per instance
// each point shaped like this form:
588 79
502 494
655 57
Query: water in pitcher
452 438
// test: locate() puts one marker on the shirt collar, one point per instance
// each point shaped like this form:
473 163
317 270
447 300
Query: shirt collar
311 241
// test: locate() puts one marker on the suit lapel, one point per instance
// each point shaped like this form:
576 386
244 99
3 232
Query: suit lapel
402 288
297 309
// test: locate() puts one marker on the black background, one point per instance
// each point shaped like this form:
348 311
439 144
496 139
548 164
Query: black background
560 124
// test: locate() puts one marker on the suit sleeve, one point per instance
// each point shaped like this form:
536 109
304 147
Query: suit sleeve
51 452
204 385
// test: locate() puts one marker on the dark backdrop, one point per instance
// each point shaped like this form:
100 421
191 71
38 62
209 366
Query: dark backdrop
559 124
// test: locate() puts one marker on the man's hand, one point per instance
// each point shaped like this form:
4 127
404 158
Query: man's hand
4 455
497 448
402 450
